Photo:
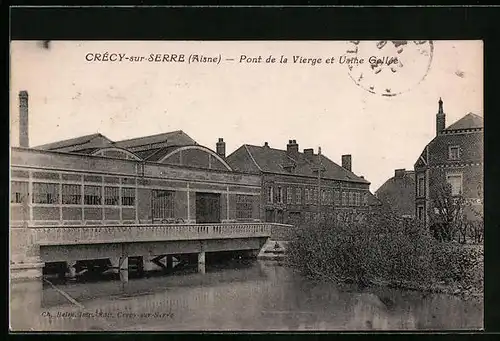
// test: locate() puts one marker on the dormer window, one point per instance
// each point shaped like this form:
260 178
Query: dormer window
454 152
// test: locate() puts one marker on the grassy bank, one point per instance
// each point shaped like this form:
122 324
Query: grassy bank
388 251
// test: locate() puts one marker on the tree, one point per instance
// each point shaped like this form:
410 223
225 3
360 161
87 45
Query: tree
448 216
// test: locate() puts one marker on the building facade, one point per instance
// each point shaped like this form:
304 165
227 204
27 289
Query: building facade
164 178
299 186
398 193
453 159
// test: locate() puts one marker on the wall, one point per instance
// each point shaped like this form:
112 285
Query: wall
29 166
306 210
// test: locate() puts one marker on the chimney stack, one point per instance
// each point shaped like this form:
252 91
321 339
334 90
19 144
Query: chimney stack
399 173
440 118
347 162
23 120
221 147
292 148
266 144
309 152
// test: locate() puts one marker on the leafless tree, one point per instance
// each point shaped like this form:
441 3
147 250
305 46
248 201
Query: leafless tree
448 216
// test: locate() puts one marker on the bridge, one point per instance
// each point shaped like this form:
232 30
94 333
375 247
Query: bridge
34 246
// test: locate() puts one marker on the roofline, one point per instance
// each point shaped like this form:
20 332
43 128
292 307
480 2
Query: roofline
199 147
360 180
41 151
154 135
126 151
252 158
73 138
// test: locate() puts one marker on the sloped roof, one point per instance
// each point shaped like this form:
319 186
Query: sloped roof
399 193
77 141
174 138
159 153
373 200
469 121
275 161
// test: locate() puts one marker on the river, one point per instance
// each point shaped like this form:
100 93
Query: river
243 295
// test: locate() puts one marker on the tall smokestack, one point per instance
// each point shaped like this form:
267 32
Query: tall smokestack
23 120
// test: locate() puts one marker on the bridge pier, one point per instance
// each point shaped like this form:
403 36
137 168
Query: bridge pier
71 265
147 263
201 262
170 262
123 264
124 276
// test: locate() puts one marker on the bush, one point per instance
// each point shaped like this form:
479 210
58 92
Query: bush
381 248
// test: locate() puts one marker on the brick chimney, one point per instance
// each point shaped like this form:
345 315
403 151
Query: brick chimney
221 147
309 153
23 120
440 118
266 144
399 173
347 162
292 148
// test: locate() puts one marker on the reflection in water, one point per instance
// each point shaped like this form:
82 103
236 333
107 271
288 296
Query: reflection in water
259 296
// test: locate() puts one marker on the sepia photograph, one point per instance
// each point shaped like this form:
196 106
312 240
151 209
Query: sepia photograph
246 185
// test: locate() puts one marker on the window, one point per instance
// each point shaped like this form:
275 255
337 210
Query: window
18 192
308 196
163 204
420 213
298 196
455 180
44 193
454 152
344 198
270 194
280 195
323 197
128 196
421 185
351 198
365 199
315 198
356 199
289 195
336 197
71 194
112 196
243 206
92 195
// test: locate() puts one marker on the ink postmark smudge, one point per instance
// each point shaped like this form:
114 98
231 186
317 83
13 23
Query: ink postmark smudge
388 67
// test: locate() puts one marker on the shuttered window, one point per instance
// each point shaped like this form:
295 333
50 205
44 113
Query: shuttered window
45 193
128 196
71 194
92 195
112 196
18 192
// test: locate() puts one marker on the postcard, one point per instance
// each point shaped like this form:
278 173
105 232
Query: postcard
246 185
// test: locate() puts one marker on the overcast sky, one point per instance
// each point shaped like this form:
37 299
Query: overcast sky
321 105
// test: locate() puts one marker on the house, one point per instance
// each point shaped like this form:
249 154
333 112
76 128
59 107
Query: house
398 193
297 186
454 157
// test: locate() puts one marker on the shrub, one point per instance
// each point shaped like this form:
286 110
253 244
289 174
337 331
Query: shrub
381 248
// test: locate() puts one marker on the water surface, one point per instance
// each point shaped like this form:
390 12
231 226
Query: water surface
263 296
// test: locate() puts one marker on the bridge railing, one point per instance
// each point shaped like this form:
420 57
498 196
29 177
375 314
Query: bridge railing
98 234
